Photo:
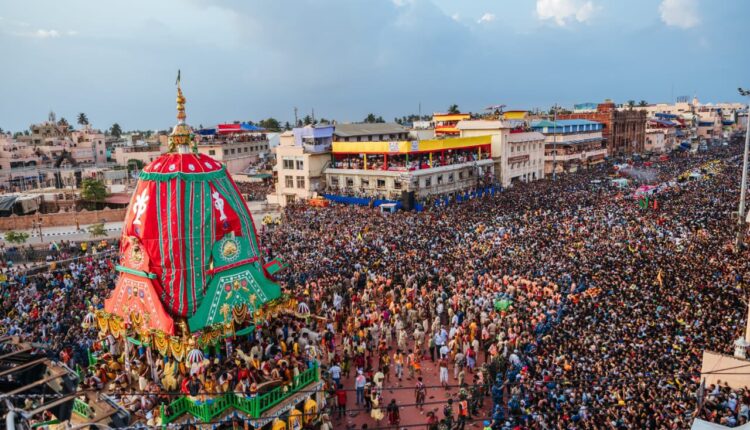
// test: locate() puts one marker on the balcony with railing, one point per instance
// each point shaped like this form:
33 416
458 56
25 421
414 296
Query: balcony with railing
252 407
573 138
580 155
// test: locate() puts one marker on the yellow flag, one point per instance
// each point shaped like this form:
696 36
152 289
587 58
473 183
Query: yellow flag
659 279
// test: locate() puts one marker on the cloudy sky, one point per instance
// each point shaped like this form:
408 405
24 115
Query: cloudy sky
250 59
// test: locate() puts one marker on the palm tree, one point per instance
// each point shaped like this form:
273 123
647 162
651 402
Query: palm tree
642 103
631 103
82 119
453 109
62 122
116 130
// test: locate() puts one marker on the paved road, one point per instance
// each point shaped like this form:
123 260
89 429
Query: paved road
50 234
403 392
113 229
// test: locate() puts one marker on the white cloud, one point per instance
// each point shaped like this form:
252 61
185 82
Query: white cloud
456 17
585 12
41 33
679 13
46 34
563 11
487 17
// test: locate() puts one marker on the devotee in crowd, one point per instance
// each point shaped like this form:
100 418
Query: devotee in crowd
567 303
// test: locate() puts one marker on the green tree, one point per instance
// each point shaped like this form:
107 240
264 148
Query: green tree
116 130
371 118
642 103
287 126
307 120
93 190
96 230
453 109
631 103
270 124
63 122
17 237
83 119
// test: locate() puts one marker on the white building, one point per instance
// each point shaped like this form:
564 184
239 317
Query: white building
518 154
301 156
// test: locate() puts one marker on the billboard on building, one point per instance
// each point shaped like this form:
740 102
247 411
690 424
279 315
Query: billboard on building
584 107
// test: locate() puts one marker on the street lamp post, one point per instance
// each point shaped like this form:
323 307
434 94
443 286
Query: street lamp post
743 188
38 225
554 142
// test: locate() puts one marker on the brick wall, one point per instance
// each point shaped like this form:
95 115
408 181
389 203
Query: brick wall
24 222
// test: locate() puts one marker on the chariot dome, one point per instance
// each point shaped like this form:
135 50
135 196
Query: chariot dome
190 252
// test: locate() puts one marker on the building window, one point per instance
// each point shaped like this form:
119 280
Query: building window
364 183
450 177
460 175
226 152
381 183
288 164
300 164
232 151
349 182
300 182
440 179
335 181
427 182
397 185
211 152
289 181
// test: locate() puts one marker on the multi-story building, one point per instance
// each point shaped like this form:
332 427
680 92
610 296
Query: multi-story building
33 160
370 132
571 144
144 154
50 140
236 145
386 169
89 140
661 135
517 153
624 130
445 123
301 156
698 120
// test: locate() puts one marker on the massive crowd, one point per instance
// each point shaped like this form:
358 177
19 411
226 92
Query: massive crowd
568 304
612 303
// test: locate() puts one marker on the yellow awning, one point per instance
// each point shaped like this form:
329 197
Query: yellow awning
408 147
450 117
515 114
